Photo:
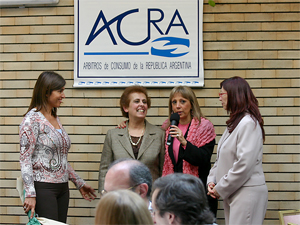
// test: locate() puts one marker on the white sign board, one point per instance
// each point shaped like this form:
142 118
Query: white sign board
154 43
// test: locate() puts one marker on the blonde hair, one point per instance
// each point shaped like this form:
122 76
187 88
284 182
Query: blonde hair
187 93
122 207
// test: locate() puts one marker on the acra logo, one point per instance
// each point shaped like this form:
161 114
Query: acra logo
169 41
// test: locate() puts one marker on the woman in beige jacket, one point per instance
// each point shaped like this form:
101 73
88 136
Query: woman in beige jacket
140 140
237 175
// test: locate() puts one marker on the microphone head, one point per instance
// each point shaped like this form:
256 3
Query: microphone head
175 116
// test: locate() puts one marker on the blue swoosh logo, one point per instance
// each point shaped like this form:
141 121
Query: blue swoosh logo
171 41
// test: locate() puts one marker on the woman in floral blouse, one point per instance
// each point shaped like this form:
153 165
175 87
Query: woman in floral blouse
44 146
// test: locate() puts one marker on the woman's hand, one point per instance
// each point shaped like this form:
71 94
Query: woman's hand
177 133
122 125
210 188
29 204
212 191
87 192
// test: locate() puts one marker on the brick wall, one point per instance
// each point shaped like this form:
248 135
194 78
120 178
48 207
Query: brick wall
255 39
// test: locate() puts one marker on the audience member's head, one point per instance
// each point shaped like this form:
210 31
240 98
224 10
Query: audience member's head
122 207
180 199
129 174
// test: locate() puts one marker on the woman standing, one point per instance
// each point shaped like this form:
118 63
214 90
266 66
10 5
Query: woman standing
139 140
193 139
237 175
44 146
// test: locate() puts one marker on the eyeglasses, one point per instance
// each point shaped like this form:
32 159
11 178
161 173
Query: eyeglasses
220 94
134 186
152 212
103 192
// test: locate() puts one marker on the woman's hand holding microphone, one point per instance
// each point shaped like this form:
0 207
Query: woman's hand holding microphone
177 133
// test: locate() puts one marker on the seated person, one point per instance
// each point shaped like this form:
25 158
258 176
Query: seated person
180 199
122 207
129 174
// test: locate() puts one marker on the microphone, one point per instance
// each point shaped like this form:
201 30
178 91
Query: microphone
174 120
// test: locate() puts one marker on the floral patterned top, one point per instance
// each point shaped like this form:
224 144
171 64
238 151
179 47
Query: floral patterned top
44 153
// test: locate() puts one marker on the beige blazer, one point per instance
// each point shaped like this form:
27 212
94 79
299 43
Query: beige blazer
117 145
239 158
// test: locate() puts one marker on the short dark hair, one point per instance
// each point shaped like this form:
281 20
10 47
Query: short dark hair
184 196
124 100
138 172
47 82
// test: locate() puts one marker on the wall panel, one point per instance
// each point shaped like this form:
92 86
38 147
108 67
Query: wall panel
255 39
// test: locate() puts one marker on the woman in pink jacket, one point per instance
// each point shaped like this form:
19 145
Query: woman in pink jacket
193 139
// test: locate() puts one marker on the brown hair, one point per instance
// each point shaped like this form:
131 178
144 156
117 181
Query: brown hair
124 100
240 100
122 207
187 93
47 82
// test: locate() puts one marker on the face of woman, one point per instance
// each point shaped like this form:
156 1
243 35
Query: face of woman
183 107
138 105
56 97
223 98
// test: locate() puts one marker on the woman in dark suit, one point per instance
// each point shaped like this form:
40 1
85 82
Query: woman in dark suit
237 175
139 140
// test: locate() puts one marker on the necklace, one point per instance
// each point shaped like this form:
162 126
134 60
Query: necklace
135 144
